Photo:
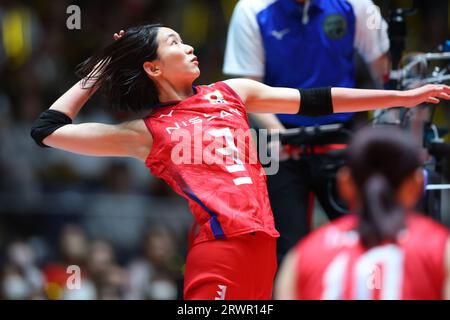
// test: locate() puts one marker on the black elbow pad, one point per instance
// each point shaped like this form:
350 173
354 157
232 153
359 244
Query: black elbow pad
315 102
47 122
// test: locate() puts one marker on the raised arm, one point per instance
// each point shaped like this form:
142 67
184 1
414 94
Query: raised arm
54 127
129 139
259 97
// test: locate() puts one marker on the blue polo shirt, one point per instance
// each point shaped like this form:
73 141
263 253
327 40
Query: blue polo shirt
298 49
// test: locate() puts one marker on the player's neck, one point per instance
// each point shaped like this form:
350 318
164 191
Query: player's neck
174 92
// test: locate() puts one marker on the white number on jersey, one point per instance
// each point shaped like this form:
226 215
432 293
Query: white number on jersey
231 151
380 268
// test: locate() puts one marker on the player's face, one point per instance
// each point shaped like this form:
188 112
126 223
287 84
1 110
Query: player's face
176 60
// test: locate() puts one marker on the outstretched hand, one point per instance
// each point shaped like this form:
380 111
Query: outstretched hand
119 35
431 93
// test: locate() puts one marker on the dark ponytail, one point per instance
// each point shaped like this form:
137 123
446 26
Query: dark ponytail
381 216
380 159
118 69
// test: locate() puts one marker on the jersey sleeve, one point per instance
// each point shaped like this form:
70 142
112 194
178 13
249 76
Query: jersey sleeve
371 37
244 54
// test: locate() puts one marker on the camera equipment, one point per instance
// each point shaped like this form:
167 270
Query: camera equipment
410 71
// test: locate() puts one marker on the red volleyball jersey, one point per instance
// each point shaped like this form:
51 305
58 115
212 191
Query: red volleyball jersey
332 263
203 149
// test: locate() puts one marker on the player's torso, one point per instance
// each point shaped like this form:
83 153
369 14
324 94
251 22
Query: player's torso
204 150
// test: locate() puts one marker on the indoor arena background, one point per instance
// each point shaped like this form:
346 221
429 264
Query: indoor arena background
125 230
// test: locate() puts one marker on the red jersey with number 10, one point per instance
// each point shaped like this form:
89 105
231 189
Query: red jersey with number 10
203 149
332 263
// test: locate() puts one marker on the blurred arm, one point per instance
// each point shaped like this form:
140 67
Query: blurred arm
447 268
372 39
379 69
285 285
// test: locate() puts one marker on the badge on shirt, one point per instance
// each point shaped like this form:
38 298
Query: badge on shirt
215 97
335 26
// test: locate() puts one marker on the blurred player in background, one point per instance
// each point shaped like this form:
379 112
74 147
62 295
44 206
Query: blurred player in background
382 251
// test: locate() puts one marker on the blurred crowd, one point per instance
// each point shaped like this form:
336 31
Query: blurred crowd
124 229
91 269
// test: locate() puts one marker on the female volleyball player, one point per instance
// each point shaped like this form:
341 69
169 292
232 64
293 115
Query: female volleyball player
384 250
150 68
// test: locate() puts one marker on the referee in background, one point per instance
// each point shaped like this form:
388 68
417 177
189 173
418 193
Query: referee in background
304 44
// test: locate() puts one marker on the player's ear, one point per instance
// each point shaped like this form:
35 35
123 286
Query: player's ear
152 68
346 186
411 189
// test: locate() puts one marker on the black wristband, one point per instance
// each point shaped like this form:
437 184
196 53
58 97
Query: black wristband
315 102
48 121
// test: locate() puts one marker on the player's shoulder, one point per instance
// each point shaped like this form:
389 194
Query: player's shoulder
220 90
359 5
425 236
426 225
331 234
218 85
344 223
254 6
